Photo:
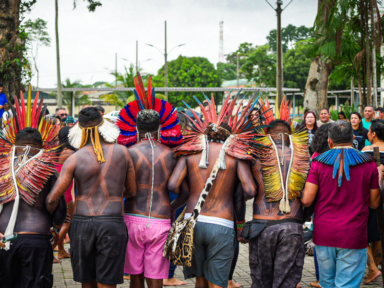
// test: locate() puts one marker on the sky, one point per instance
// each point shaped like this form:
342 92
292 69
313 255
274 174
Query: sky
89 41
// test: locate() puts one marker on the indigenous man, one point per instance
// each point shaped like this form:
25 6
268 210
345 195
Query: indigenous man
147 216
212 255
325 117
369 114
276 254
27 174
98 233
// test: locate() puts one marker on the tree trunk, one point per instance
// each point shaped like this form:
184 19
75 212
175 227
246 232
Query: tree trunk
316 89
368 58
360 94
59 94
11 47
373 28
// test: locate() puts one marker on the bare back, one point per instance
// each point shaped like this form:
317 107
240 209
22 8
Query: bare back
262 209
100 187
141 154
220 200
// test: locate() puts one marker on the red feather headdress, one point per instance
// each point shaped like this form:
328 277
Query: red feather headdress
170 132
240 144
31 177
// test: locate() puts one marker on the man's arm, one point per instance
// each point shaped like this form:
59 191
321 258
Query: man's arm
130 180
178 175
246 178
62 184
240 209
257 173
374 198
182 198
309 194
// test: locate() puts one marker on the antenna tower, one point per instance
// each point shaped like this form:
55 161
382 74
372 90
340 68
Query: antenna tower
221 45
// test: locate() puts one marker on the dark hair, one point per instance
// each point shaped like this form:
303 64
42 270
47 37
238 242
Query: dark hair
60 108
381 109
148 120
220 135
90 117
100 108
304 125
279 122
1 84
205 103
30 135
63 139
341 132
369 106
320 140
361 128
377 126
325 108
342 113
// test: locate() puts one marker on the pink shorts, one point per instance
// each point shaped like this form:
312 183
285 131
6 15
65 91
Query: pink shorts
145 247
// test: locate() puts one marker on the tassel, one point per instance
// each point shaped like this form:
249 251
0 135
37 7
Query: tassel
222 164
204 155
282 205
287 206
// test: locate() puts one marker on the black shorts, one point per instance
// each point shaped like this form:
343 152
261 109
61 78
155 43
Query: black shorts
28 263
373 227
98 247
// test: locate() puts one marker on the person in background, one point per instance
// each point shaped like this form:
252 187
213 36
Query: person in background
70 122
62 113
361 134
66 150
310 123
379 113
101 110
3 102
342 116
376 137
325 117
319 145
369 114
340 233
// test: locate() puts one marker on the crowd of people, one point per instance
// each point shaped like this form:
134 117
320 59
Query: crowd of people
164 187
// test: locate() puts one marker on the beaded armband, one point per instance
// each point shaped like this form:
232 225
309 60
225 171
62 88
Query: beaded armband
240 225
55 231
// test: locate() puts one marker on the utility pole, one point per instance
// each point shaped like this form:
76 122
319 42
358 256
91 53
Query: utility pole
59 93
279 51
115 70
137 56
166 63
238 70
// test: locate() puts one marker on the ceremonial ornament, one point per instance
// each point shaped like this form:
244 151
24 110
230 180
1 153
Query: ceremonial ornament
27 178
275 188
170 132
239 143
341 158
78 136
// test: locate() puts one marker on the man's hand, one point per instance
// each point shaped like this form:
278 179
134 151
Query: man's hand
240 238
54 241
2 245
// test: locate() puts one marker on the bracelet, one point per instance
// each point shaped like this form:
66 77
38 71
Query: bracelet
55 231
240 225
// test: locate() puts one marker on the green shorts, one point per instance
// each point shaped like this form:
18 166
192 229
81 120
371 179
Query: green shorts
212 254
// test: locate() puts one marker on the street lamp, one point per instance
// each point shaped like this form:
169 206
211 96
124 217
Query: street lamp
166 59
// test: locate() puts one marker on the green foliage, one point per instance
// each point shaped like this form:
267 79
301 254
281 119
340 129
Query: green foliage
80 99
289 35
334 115
37 32
347 109
227 71
296 66
189 72
92 5
120 98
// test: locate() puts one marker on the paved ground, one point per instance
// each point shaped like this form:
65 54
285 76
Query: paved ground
63 272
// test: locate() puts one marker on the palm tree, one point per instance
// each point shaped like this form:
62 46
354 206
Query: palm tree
120 98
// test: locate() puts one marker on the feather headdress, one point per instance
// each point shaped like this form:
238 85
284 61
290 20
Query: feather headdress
32 177
275 188
341 158
170 132
240 144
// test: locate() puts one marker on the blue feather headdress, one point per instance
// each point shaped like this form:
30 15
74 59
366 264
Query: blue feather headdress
341 158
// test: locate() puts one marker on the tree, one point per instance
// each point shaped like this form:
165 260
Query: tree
290 35
37 36
296 65
227 71
189 72
120 98
260 66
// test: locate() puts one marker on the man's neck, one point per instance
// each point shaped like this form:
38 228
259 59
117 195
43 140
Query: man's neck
342 145
368 120
324 121
143 135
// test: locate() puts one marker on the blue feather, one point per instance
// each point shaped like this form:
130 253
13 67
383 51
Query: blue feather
138 99
209 101
189 107
336 166
346 165
153 98
197 100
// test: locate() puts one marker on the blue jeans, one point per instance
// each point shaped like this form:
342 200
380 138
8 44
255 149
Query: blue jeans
341 267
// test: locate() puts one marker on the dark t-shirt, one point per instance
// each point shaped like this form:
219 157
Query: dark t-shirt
360 138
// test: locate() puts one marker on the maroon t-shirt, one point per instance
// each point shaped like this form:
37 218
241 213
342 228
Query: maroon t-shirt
341 213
